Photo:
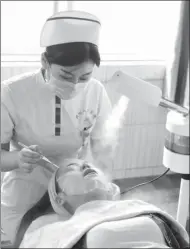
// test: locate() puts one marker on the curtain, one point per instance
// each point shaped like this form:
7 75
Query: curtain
176 85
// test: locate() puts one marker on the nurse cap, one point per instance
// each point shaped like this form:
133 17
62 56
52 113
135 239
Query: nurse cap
70 26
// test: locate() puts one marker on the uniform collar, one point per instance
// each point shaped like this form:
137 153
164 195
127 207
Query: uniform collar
39 76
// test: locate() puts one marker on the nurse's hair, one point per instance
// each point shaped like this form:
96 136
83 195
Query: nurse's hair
72 54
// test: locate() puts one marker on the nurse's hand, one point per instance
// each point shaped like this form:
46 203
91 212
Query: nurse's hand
28 158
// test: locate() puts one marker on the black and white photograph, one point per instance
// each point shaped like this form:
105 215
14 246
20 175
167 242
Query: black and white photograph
95 124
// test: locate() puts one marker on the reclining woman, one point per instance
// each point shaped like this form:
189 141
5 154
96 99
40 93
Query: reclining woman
80 195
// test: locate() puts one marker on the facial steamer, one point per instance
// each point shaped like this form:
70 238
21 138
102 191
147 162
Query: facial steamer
176 149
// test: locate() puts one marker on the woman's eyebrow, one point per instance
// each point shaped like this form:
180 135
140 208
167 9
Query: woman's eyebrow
63 70
67 72
87 73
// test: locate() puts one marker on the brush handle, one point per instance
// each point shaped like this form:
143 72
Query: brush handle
42 157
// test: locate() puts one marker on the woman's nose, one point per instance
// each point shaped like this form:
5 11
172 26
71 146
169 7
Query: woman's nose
75 81
85 166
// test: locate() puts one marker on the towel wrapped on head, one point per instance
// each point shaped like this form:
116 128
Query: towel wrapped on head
77 182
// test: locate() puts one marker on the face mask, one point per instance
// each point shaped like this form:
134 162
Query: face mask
64 89
76 185
95 184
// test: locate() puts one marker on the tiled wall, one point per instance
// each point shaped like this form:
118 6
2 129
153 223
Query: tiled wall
141 141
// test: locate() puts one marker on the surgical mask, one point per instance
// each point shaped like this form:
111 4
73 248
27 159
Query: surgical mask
64 89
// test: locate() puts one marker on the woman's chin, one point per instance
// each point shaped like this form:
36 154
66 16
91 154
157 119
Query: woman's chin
97 194
78 200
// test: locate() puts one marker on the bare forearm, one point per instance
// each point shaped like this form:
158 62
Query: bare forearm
9 160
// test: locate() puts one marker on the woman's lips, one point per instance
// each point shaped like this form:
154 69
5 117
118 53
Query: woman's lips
89 172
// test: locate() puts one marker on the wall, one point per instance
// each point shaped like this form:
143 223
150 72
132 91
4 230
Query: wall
140 150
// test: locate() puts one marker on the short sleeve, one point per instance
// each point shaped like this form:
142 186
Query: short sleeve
7 124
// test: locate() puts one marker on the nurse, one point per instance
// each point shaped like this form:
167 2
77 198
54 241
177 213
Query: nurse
60 111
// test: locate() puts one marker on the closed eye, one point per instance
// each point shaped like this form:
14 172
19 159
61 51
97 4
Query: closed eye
65 77
83 79
73 165
86 77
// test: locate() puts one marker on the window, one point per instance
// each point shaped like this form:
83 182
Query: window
130 29
21 24
135 28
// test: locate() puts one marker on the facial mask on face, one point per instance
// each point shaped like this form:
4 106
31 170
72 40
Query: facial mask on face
75 184
64 89
95 184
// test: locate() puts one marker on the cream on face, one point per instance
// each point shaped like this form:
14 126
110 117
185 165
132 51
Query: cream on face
79 182
80 178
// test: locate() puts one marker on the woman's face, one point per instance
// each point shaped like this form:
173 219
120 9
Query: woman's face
79 177
81 182
75 74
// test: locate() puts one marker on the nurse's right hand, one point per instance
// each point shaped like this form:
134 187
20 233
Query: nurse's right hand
28 158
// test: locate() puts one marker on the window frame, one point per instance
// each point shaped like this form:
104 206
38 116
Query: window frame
106 58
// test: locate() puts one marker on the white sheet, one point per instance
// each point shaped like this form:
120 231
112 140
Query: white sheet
66 234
